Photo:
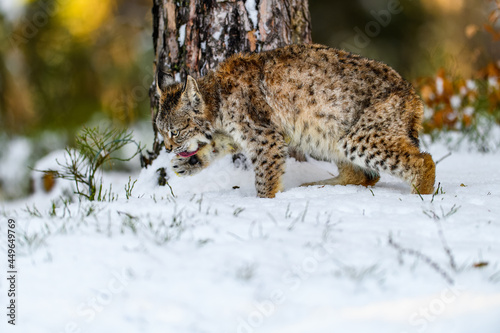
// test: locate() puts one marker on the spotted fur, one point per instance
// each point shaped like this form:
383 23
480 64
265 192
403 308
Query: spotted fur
328 103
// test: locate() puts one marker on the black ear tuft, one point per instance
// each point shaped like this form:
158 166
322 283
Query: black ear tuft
184 86
163 80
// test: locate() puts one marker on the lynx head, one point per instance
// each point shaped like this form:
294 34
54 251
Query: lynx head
180 117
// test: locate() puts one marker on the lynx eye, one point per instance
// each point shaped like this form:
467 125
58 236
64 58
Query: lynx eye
174 133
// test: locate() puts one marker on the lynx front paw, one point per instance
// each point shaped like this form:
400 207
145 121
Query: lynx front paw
187 166
221 145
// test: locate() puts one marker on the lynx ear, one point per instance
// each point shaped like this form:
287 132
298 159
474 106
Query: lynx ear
191 92
163 80
190 86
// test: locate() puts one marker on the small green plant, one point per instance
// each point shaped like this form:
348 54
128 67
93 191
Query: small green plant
52 211
432 214
305 212
300 217
163 232
439 190
129 221
31 241
199 202
33 211
106 195
288 213
129 187
418 192
238 211
422 257
66 202
95 148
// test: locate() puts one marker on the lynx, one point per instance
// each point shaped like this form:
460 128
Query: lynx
327 103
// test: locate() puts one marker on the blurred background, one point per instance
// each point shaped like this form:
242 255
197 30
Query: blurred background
417 38
65 63
62 61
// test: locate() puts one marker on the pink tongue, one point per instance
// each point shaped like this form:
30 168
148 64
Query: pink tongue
186 154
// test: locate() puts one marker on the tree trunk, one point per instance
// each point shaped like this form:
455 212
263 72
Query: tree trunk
194 36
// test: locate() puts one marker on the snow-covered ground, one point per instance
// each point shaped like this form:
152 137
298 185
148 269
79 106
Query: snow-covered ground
216 259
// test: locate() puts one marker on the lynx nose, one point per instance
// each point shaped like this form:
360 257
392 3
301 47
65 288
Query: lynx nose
168 148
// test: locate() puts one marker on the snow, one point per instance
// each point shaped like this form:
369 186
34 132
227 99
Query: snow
493 81
469 110
217 259
428 112
455 101
439 86
217 34
52 162
182 34
471 85
13 157
11 9
251 8
219 16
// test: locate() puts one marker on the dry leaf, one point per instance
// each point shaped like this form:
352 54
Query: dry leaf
471 30
480 264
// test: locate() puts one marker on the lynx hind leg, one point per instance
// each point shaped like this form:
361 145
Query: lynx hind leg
220 146
397 155
425 174
416 168
350 174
